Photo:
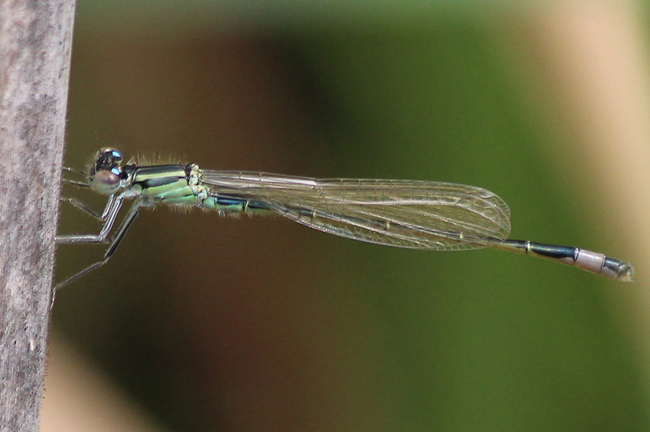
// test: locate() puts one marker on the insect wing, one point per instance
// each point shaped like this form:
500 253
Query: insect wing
401 213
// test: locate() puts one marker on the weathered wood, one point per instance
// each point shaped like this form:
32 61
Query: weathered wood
35 42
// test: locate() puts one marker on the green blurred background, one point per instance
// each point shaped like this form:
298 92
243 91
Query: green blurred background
257 324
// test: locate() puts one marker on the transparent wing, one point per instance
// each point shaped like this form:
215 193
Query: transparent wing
402 213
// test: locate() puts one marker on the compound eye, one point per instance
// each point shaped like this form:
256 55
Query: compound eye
107 158
106 182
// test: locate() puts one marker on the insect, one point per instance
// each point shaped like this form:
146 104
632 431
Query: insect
402 213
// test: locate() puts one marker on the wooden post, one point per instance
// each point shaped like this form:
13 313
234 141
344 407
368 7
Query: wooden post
35 42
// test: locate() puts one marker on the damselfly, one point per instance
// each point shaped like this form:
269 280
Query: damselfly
402 213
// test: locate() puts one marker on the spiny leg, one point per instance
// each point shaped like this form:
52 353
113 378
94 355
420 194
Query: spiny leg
82 207
114 241
79 205
108 216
